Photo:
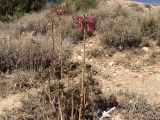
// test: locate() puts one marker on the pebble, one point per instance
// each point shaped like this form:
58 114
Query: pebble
146 49
79 58
117 117
112 64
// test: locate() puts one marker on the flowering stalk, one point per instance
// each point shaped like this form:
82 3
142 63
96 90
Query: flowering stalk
61 64
86 24
51 22
61 53
60 11
41 79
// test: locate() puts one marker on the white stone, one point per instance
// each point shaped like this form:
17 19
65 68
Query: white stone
117 117
146 49
79 58
127 70
112 64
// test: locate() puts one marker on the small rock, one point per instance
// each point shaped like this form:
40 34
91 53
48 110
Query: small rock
117 117
112 64
79 58
146 49
127 70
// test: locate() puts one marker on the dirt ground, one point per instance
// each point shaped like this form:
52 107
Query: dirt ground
124 71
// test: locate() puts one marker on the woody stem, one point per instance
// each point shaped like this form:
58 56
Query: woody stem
83 78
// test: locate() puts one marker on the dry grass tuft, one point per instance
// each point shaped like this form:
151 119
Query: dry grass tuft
135 107
121 32
29 45
148 6
136 7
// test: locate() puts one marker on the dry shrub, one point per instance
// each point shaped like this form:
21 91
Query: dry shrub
118 26
151 25
158 42
96 53
77 5
134 107
36 22
103 13
36 106
136 7
148 6
29 45
31 53
39 28
95 102
121 27
121 32
153 59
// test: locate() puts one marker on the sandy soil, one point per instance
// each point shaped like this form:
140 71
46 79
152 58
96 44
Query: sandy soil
113 76
10 103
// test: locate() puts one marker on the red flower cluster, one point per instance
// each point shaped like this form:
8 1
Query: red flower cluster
60 10
85 23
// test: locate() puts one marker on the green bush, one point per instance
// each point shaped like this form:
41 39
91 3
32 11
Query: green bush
12 9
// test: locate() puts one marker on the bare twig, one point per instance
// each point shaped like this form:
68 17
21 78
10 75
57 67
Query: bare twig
60 110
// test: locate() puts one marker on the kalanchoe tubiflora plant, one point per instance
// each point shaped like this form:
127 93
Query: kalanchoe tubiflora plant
87 24
58 12
51 22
